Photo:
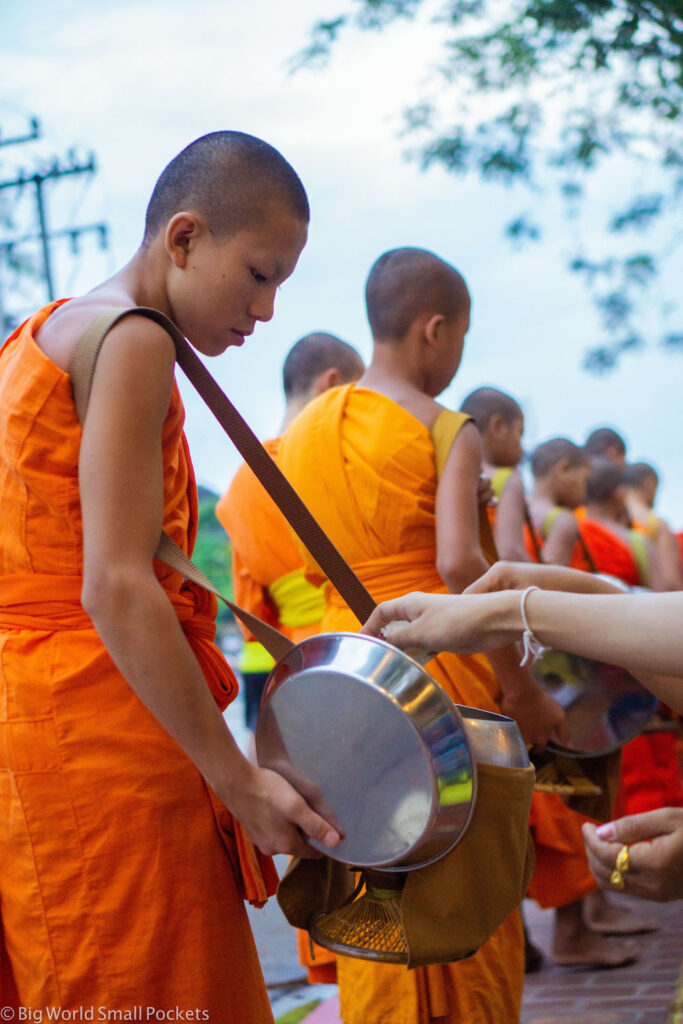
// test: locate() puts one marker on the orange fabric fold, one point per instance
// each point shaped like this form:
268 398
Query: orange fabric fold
376 499
609 551
95 796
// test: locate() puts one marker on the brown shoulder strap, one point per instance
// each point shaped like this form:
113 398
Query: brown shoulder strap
315 539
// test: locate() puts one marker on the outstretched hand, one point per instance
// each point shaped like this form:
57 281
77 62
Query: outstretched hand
655 846
520 575
438 622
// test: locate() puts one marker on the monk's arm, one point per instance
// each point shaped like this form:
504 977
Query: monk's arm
121 482
563 535
459 558
656 574
669 557
460 561
509 534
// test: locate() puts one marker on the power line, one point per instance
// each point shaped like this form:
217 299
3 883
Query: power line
37 180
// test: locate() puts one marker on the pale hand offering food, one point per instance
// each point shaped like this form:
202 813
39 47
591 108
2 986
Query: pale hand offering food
418 654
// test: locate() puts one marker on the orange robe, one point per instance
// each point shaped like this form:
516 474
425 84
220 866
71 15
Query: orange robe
365 467
268 580
122 876
650 768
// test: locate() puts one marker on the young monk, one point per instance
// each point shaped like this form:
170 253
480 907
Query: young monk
606 443
560 469
267 566
379 501
641 483
500 422
615 549
127 808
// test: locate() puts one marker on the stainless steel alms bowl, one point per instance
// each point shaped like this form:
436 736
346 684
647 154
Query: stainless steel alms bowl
372 740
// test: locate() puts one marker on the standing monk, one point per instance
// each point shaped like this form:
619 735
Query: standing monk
267 566
363 459
500 422
124 798
641 482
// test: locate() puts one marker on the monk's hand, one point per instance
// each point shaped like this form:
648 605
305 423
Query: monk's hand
539 717
277 818
485 492
655 847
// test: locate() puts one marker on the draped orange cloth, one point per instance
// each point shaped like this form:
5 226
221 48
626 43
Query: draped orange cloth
365 467
609 551
123 876
650 768
264 551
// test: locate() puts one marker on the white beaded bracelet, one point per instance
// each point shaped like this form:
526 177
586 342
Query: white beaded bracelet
533 648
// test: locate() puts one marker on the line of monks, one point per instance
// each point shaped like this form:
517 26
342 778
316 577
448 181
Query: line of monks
357 445
132 828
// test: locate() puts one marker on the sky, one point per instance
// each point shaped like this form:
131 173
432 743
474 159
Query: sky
136 81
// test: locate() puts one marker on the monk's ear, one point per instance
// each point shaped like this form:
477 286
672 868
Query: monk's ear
497 425
330 378
182 232
433 327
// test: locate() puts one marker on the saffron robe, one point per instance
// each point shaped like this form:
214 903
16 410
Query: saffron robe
268 581
123 876
650 767
365 467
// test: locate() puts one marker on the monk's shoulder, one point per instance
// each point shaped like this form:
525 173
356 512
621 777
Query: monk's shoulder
61 332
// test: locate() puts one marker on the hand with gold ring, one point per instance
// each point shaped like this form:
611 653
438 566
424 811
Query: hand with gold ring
621 866
642 852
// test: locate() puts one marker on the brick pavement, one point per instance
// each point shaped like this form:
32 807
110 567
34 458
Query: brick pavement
642 993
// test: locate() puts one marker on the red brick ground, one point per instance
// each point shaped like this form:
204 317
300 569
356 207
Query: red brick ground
641 993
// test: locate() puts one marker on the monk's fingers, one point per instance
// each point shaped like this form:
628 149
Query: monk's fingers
310 824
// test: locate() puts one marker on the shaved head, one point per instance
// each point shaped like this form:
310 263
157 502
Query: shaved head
231 179
312 355
546 456
637 473
604 480
485 403
404 283
602 440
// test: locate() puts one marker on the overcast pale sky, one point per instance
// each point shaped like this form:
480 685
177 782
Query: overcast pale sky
137 81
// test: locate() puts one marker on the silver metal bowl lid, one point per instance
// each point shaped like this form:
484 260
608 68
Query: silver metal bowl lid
365 734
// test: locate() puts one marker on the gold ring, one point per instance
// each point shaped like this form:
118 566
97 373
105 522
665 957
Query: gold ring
617 879
623 860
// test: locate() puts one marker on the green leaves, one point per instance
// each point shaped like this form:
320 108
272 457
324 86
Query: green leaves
545 93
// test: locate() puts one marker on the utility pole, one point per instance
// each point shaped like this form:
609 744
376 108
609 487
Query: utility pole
37 180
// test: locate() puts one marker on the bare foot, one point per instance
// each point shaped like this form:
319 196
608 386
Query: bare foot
601 915
575 945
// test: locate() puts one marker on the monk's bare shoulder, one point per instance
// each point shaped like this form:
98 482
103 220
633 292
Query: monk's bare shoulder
60 333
